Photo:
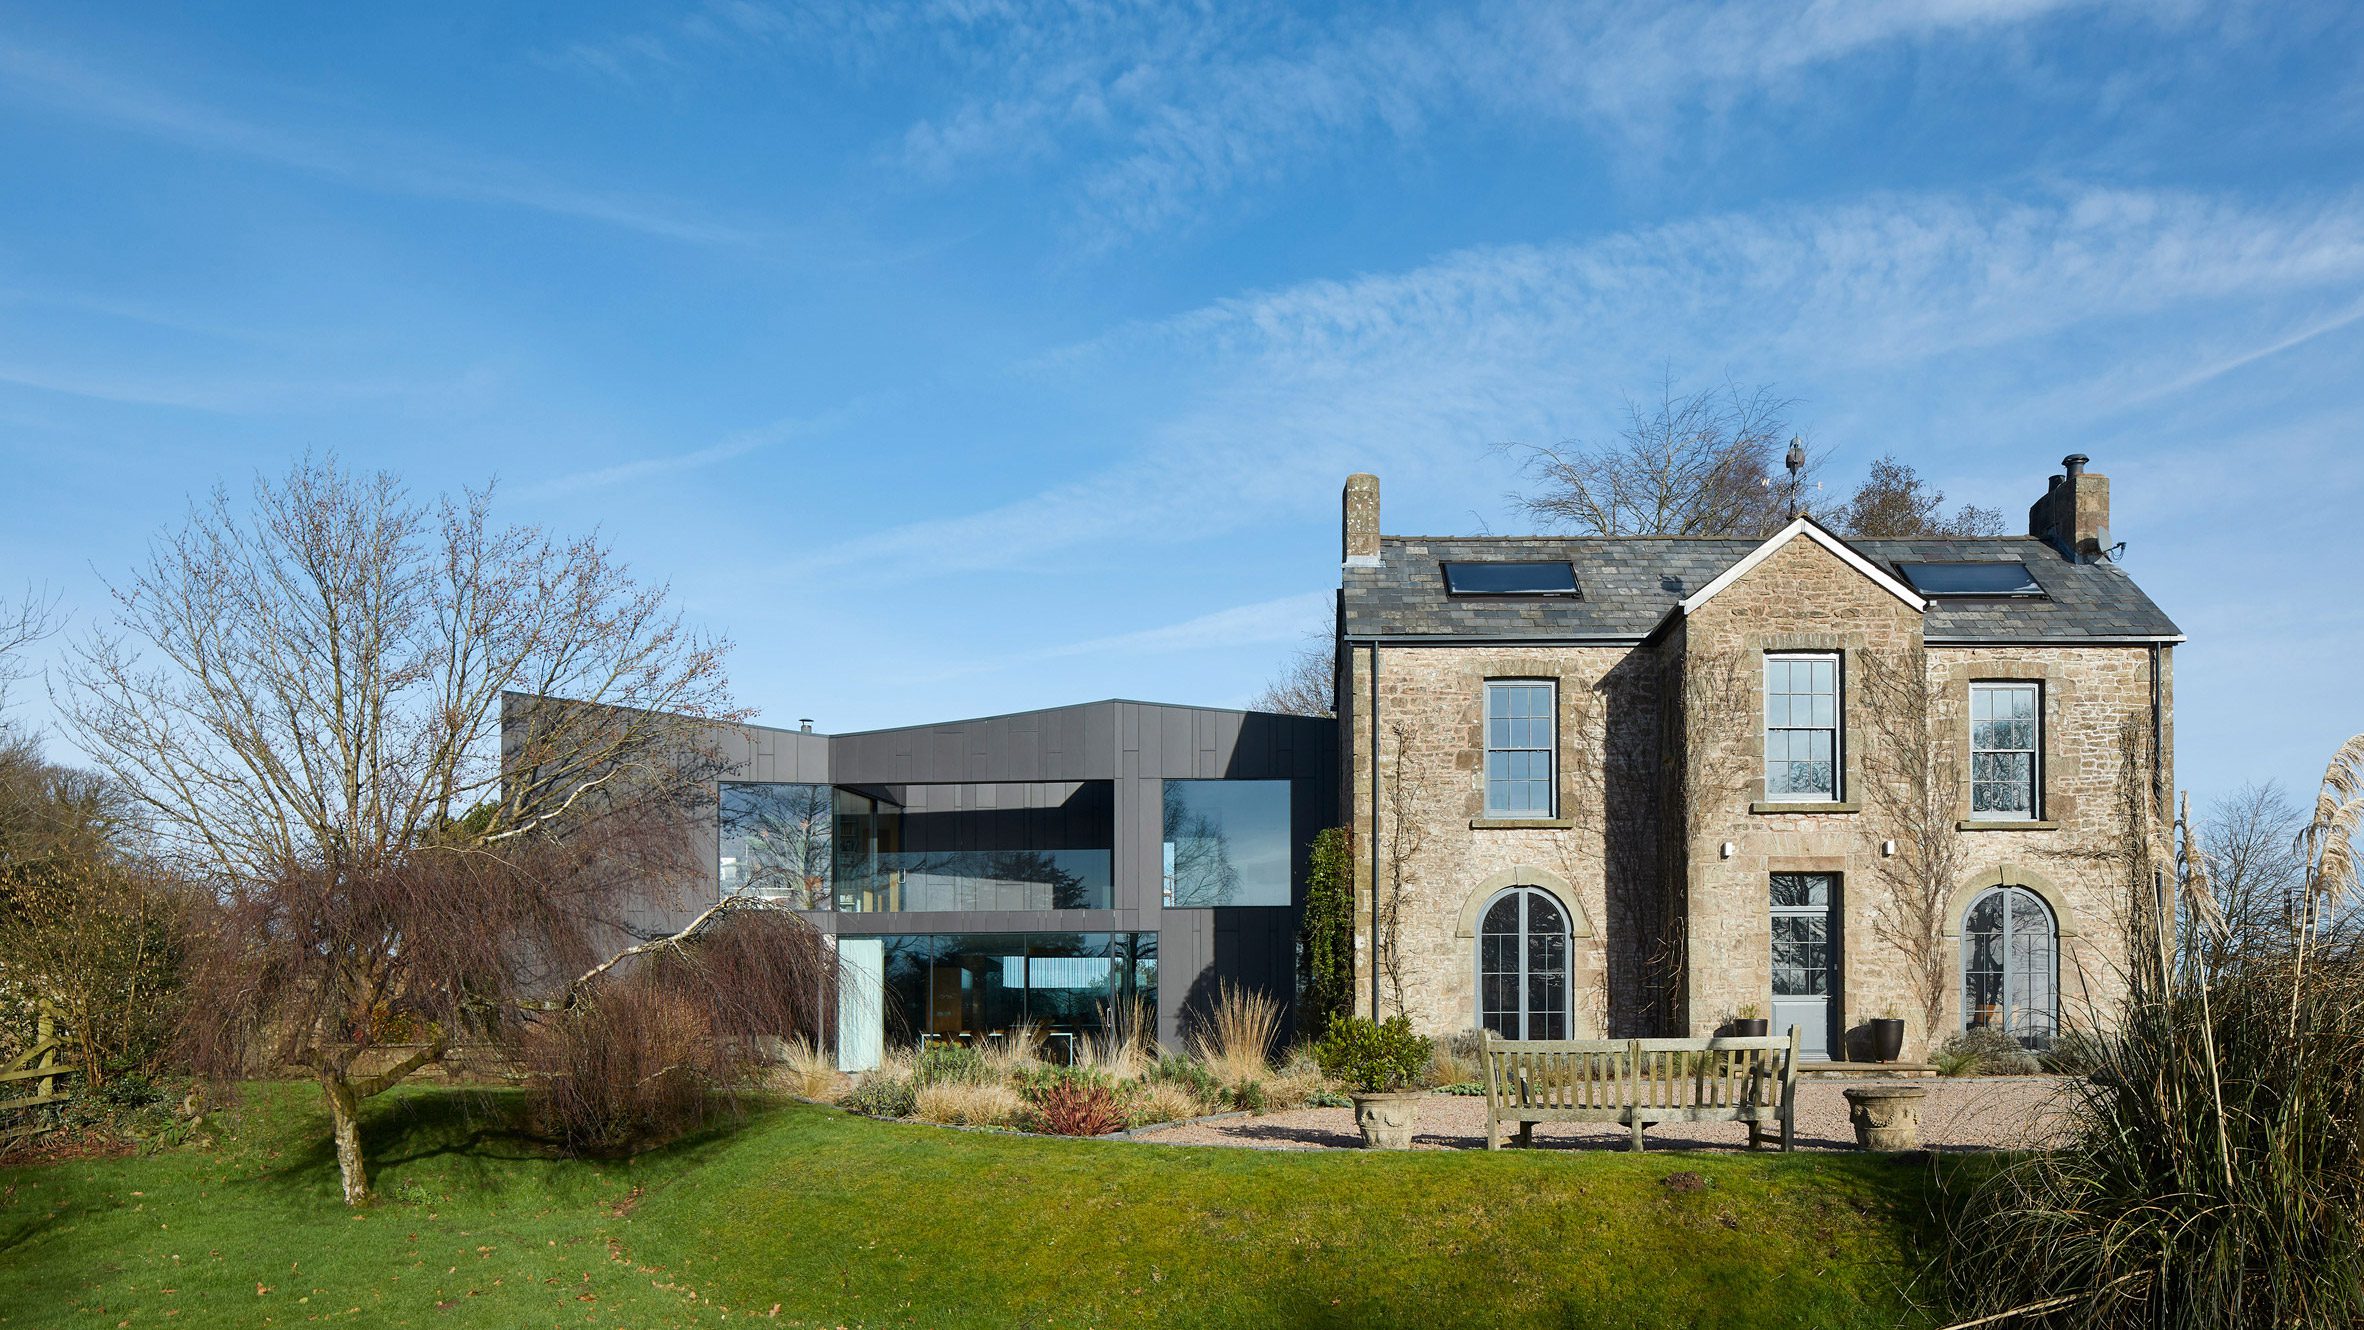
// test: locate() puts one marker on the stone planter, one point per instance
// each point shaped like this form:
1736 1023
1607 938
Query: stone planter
1886 1117
1386 1119
1887 1038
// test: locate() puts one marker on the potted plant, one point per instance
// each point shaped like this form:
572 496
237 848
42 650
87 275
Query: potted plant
1746 1023
1887 1035
1380 1063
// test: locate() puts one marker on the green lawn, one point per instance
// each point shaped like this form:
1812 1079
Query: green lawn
843 1221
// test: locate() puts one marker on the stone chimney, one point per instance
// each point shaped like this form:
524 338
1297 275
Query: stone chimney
1359 536
2074 513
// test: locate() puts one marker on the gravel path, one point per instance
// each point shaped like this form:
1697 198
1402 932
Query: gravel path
1968 1113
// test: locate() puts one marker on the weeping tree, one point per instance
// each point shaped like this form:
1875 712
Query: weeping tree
430 764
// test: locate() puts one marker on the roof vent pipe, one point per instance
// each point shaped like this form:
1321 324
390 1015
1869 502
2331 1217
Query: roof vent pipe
805 724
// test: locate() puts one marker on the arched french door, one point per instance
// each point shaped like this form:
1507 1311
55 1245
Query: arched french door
2011 965
1523 988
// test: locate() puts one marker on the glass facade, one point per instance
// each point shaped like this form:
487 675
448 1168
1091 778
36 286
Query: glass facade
776 841
1802 728
934 847
1227 842
977 987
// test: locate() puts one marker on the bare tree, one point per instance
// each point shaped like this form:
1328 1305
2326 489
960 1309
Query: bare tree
1893 501
344 707
23 622
1685 464
1915 765
2254 869
1308 680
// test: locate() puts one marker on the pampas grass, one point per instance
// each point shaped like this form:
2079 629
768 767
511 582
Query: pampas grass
2214 1175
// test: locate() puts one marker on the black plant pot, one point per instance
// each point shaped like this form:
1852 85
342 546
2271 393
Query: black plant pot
1887 1039
1756 1029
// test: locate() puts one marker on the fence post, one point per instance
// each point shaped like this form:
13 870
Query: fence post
44 1038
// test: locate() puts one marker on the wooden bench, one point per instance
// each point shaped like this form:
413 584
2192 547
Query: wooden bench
1636 1082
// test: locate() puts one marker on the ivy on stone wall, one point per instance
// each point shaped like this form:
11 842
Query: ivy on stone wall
1325 948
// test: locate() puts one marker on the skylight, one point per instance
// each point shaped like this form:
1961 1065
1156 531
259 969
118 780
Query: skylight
1510 579
1970 579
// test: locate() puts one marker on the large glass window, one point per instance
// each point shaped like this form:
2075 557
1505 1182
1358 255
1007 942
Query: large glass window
1802 728
1523 966
776 841
1040 846
1226 843
978 988
1520 718
2003 761
2011 966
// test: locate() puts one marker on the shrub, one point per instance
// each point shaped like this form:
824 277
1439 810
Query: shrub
1249 1097
1043 1078
1328 1099
968 1104
1984 1051
1455 1060
1467 1089
1078 1108
1372 1057
882 1095
1189 1074
1326 937
611 1075
1236 1037
950 1062
2073 1053
1148 1102
1300 1079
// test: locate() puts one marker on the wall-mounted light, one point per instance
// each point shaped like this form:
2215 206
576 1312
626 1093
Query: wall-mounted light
1729 847
1887 849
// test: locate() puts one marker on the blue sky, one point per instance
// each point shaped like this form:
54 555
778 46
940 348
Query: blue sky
970 356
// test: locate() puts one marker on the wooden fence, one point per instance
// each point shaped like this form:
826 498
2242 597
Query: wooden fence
39 1069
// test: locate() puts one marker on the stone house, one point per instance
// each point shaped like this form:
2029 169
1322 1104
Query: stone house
1608 787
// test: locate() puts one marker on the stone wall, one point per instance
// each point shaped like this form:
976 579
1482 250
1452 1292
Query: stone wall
1661 762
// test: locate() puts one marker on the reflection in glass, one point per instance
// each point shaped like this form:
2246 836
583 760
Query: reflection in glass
2003 750
776 841
2011 966
1523 967
1226 843
978 987
953 847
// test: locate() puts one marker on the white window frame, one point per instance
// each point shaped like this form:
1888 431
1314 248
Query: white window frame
1838 726
2035 765
1550 749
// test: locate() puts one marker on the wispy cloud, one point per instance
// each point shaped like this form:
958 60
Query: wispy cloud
377 162
1262 624
727 449
1152 112
1939 314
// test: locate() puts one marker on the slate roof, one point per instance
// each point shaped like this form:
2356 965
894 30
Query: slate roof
1627 586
